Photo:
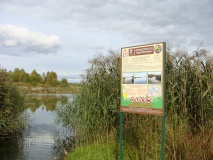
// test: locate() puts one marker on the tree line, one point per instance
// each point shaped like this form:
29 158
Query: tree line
12 101
35 79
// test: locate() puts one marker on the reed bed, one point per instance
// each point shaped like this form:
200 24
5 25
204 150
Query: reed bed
94 112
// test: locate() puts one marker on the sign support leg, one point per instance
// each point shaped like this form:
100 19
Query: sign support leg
163 137
121 135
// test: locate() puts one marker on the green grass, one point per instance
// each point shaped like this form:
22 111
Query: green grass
95 151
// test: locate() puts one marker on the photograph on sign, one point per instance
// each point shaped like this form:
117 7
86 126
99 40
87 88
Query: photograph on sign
142 79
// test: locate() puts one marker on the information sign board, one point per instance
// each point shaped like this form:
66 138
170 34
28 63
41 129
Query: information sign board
143 79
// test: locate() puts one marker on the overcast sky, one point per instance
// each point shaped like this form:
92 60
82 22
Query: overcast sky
62 35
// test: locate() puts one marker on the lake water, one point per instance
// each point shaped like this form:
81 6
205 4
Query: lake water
41 140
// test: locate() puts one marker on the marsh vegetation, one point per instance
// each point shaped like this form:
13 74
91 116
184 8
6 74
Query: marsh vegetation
94 112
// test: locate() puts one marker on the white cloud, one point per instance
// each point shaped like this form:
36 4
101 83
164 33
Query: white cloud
183 22
22 39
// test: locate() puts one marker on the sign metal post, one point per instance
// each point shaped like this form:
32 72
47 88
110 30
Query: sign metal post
121 135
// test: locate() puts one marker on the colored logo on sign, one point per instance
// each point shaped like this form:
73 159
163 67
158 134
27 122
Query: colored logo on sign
132 99
158 49
137 99
140 100
125 54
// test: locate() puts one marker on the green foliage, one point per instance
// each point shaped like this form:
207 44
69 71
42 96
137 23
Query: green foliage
94 112
98 99
11 106
51 79
190 87
35 78
64 82
94 152
19 75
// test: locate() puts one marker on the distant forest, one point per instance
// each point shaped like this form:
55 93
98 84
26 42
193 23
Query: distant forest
35 79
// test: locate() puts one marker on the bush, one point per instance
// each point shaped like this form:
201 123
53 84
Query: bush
11 106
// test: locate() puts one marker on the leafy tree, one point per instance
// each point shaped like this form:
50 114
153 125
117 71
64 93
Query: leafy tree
51 79
15 75
23 76
35 78
19 75
64 82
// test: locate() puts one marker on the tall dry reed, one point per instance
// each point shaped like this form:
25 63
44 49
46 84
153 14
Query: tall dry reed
94 112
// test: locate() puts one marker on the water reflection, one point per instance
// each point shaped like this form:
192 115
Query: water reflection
43 138
12 149
47 102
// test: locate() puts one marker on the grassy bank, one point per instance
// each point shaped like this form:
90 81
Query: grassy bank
180 144
95 151
45 89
